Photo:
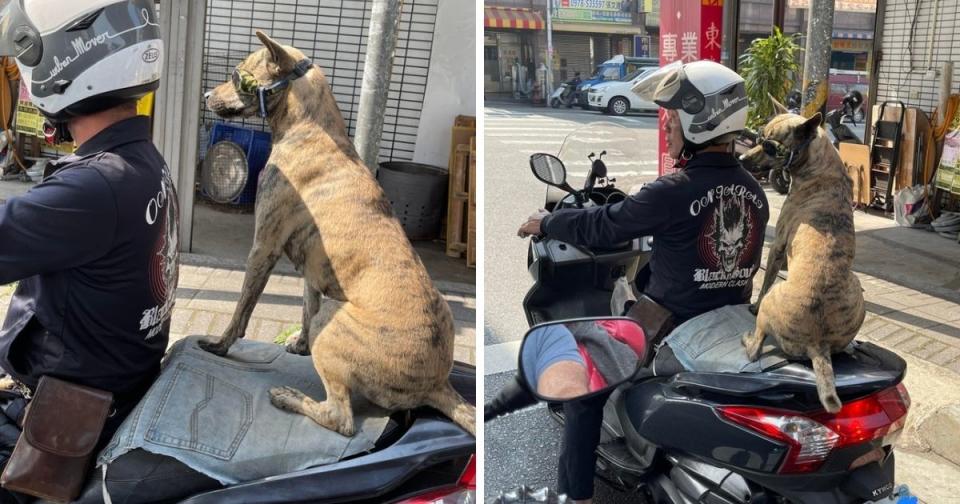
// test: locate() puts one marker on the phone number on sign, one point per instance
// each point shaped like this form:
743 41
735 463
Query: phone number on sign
594 4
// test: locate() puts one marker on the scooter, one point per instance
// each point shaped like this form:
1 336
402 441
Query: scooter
695 437
566 94
421 457
849 108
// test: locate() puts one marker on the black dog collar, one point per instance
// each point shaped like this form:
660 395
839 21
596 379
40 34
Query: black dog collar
245 83
777 150
299 70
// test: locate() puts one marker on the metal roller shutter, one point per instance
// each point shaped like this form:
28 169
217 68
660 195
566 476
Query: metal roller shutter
574 50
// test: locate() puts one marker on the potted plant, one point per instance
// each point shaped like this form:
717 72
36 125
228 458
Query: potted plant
769 67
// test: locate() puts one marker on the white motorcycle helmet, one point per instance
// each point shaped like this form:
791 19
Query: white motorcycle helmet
710 98
81 57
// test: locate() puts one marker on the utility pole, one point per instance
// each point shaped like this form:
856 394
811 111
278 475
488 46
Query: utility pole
549 80
377 67
816 62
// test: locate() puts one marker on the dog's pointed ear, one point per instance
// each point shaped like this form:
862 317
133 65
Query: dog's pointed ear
777 106
278 54
808 129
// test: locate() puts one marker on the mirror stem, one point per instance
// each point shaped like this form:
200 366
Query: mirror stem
512 397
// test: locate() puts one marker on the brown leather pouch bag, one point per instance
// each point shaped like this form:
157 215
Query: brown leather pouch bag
657 321
60 430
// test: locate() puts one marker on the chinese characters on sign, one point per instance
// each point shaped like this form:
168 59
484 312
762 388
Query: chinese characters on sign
869 6
593 11
696 23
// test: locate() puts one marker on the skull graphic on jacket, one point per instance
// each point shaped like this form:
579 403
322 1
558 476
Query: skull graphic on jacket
730 231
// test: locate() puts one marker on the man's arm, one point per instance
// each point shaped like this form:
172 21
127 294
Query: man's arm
644 213
68 220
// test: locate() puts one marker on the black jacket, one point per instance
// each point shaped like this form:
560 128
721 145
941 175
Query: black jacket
708 222
95 249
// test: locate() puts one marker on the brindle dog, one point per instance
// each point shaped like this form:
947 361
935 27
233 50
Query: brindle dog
382 330
818 310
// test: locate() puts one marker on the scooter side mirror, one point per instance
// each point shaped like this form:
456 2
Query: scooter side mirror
548 169
575 359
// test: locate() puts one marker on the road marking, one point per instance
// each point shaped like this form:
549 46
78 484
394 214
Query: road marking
501 357
517 142
523 128
538 134
618 174
637 162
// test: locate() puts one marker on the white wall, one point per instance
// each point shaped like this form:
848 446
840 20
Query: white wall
452 82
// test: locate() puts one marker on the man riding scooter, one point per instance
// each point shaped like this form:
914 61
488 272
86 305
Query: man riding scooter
707 221
95 245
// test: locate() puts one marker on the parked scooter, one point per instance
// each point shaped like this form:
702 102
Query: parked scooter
780 180
421 456
849 108
703 436
567 93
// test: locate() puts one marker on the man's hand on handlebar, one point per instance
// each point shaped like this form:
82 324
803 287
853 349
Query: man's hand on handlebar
532 226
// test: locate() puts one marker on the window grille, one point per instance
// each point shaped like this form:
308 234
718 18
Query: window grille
333 34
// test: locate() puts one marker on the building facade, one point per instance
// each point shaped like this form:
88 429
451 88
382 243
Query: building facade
585 33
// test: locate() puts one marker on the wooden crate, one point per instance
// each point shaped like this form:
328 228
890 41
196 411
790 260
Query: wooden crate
464 128
472 207
458 199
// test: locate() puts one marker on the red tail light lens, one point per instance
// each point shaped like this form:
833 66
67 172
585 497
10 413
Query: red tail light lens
812 437
463 492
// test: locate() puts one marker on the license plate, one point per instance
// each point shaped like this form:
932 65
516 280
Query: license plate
901 495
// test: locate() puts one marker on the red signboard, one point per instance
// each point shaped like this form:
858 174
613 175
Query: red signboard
690 30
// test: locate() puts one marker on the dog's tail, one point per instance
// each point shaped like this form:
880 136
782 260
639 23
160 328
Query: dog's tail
449 402
826 387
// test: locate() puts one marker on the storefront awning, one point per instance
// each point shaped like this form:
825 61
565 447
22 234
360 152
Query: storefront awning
512 17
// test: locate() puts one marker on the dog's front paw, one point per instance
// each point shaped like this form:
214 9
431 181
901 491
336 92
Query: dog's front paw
298 345
217 347
287 398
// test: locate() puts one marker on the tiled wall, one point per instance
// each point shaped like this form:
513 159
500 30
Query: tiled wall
904 72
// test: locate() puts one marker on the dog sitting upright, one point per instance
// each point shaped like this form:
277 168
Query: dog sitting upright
818 310
382 330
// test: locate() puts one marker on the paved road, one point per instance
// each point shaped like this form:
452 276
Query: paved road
512 193
525 445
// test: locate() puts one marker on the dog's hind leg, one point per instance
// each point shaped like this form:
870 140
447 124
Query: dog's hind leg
260 263
300 345
775 261
334 413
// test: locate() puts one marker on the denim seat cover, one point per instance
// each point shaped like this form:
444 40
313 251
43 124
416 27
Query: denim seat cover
214 414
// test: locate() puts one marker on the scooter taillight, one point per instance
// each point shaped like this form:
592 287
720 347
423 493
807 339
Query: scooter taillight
811 437
464 491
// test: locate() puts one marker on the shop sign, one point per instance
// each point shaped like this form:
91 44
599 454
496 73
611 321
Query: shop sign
948 173
592 11
852 45
840 5
690 30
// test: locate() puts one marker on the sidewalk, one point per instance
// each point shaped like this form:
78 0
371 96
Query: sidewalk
210 283
911 283
209 288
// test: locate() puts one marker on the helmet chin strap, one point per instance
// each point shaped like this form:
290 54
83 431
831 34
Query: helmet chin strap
57 132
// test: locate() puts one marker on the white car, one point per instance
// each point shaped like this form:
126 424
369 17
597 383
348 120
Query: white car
617 97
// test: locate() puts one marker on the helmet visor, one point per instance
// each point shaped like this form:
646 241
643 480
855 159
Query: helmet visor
18 36
647 87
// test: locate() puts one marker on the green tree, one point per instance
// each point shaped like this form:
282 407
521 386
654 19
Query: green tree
769 66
